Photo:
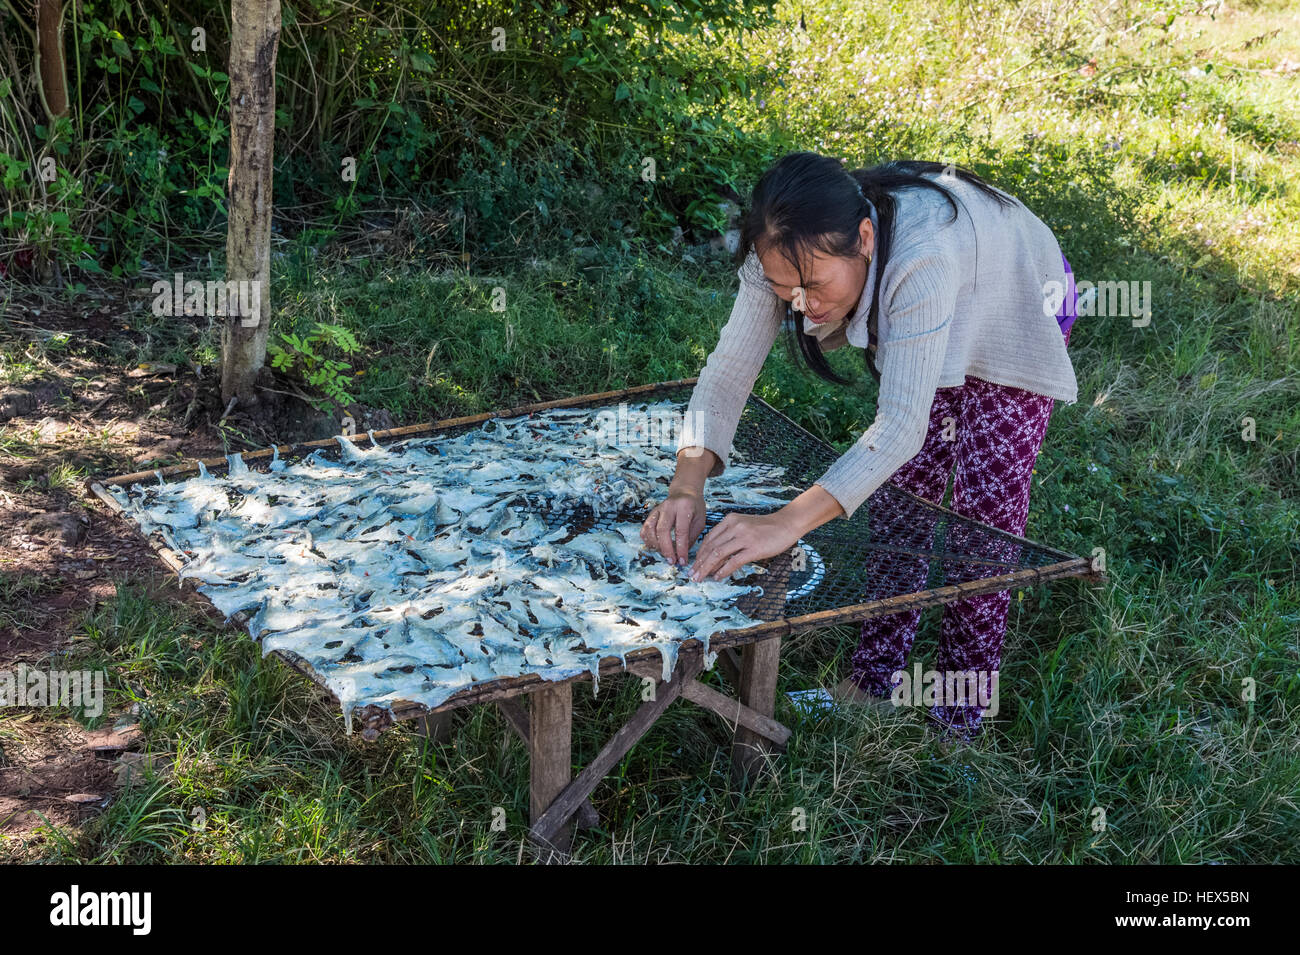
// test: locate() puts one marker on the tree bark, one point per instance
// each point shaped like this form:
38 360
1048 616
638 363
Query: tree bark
49 58
255 35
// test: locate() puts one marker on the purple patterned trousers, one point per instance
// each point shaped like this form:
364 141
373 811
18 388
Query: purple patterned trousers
999 430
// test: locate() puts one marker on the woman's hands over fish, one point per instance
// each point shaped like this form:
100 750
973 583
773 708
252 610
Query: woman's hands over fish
739 539
683 511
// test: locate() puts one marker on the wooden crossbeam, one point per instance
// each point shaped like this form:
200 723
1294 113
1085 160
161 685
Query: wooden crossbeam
548 828
731 710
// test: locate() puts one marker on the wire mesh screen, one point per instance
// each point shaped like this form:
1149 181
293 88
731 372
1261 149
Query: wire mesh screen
897 552
896 544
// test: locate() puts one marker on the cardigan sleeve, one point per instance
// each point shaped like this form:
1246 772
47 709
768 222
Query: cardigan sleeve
729 373
917 299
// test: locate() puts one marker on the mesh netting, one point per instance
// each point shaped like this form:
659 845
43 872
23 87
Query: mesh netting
895 543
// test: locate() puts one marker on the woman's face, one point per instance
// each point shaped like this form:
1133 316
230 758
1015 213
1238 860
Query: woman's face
832 285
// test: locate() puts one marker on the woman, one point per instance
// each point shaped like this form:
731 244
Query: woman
945 282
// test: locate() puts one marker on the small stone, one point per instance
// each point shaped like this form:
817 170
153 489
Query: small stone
134 767
112 740
68 527
48 430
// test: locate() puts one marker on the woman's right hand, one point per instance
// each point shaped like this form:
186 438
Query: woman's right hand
683 512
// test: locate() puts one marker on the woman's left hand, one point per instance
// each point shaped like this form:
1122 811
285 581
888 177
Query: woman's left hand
739 539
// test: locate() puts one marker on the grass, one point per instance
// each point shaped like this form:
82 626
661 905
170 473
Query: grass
1150 721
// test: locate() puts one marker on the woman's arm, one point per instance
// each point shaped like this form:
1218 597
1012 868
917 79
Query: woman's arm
918 297
727 379
693 467
738 539
704 443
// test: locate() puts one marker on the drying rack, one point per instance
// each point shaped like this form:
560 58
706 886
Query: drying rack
914 554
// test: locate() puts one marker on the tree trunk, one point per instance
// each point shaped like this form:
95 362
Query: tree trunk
255 34
49 58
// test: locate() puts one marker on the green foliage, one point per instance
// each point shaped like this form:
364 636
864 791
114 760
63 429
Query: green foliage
428 100
47 227
310 355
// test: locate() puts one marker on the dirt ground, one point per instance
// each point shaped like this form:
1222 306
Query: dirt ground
86 413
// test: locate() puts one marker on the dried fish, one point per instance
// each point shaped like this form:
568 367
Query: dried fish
412 571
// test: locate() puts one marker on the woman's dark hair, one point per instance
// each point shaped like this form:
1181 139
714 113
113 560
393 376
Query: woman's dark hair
807 202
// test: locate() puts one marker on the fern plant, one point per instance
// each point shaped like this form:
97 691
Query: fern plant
309 355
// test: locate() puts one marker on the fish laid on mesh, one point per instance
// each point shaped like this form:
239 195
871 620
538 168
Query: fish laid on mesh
413 571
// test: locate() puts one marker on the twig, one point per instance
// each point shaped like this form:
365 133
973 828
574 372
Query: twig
86 415
22 22
290 394
189 411
233 399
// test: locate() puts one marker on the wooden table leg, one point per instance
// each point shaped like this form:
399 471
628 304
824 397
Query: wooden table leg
517 716
436 727
758 669
567 802
550 743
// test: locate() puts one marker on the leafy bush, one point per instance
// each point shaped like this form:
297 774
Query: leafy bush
522 106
